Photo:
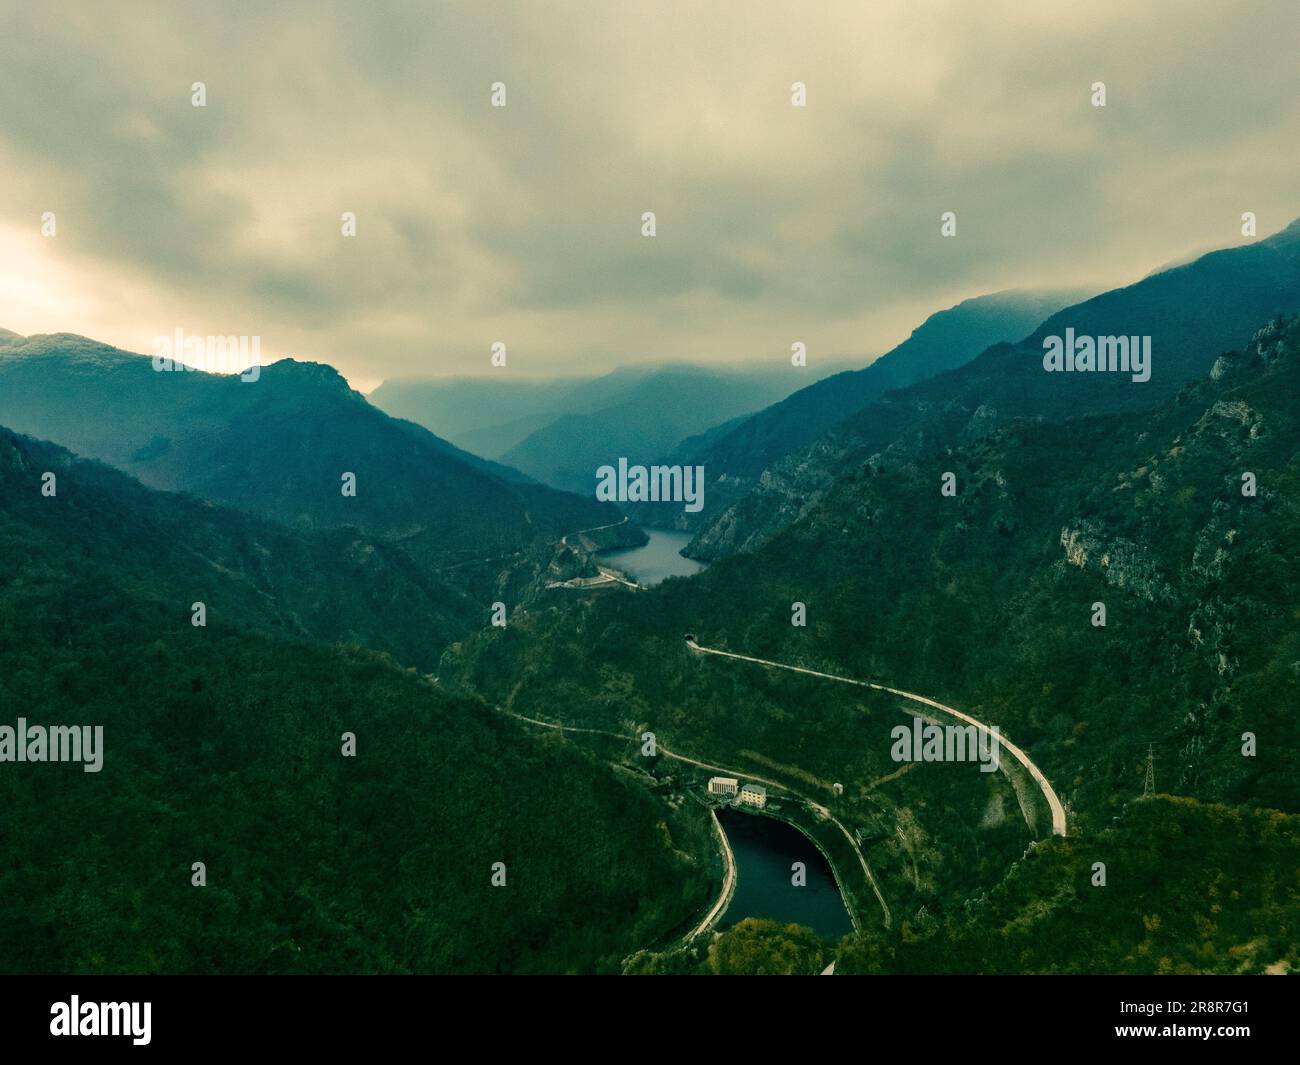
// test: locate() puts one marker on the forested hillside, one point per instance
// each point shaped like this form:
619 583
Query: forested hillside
223 744
332 585
985 600
735 459
1183 894
279 447
1191 313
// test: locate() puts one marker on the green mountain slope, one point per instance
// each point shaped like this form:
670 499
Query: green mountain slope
332 585
222 745
279 447
985 601
733 461
1192 313
1190 888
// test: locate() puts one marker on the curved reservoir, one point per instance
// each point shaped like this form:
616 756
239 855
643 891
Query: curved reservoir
765 849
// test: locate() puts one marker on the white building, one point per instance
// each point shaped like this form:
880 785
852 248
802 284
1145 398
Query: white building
753 795
723 785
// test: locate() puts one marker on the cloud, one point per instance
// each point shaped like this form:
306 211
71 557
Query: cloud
522 224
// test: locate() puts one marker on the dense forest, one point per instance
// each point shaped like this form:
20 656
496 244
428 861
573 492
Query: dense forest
224 745
1191 313
1190 888
986 600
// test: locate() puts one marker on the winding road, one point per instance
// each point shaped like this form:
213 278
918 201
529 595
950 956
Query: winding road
1058 811
728 881
729 878
564 540
1049 793
664 752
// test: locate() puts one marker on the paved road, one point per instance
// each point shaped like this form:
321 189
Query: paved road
853 844
888 918
728 881
607 575
583 532
1049 793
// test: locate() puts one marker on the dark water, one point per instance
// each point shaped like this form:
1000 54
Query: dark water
765 850
651 563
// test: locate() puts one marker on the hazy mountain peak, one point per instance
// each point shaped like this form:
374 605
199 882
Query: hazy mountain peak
1283 238
1192 313
311 374
947 339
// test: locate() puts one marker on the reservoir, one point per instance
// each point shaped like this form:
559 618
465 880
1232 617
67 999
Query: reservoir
764 850
652 562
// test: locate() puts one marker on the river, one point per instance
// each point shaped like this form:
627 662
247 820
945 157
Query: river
765 849
652 562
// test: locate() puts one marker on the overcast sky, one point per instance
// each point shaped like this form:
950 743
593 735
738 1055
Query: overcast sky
523 224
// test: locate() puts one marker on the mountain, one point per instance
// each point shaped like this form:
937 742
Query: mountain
280 447
1191 313
327 585
645 423
486 415
225 745
1048 898
735 459
497 414
1182 927
1180 519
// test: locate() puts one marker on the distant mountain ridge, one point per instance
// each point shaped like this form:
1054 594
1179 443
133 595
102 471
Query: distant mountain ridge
485 415
328 585
734 459
1192 312
646 423
280 447
560 432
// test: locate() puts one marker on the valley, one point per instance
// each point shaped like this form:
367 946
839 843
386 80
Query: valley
647 489
643 683
541 642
